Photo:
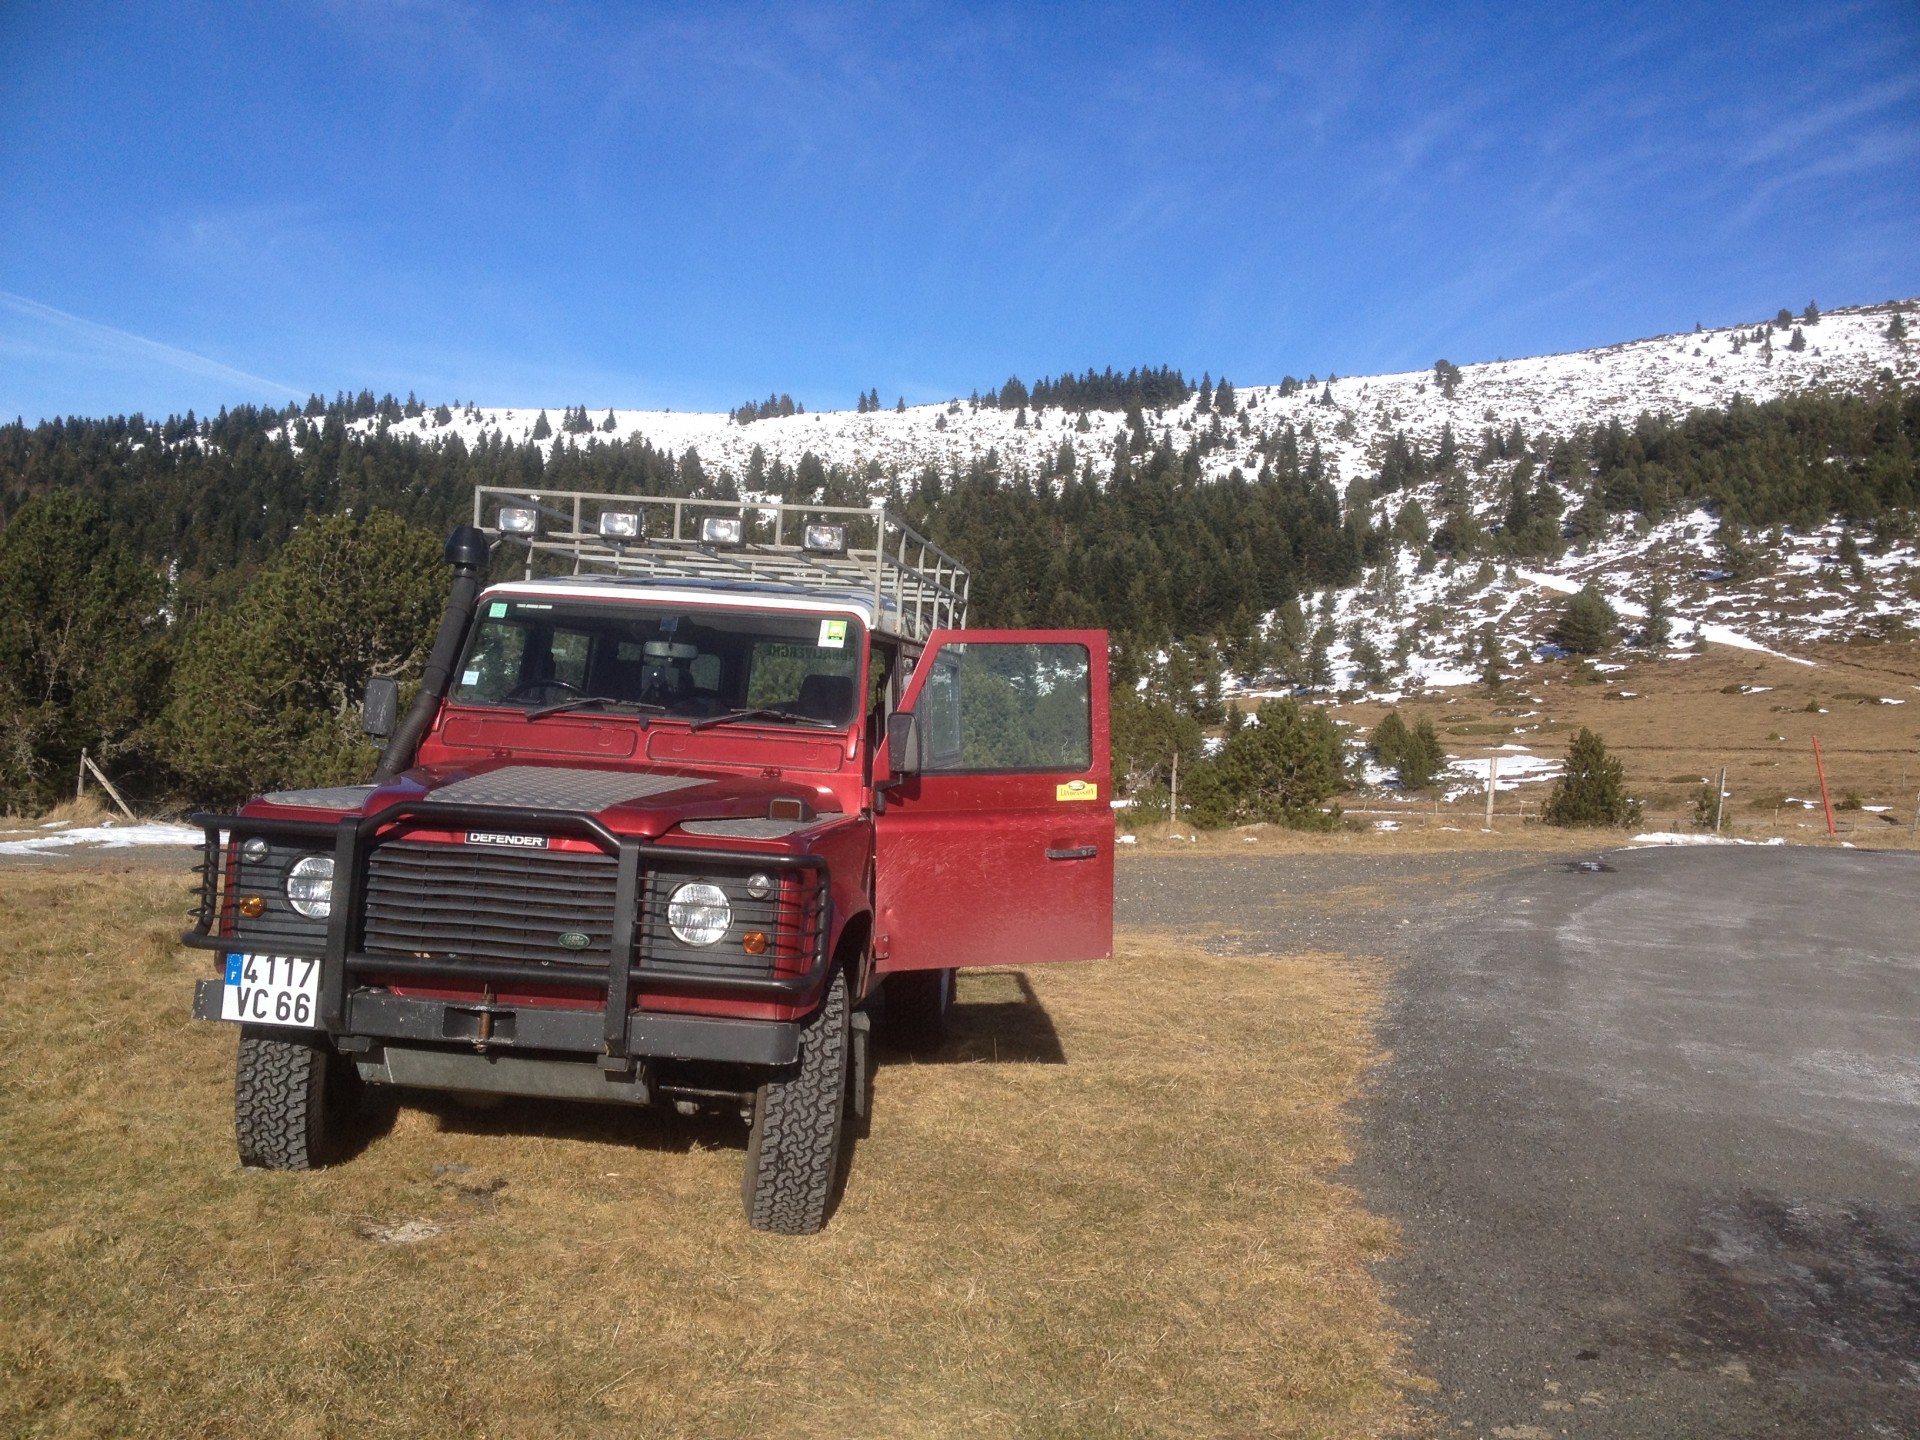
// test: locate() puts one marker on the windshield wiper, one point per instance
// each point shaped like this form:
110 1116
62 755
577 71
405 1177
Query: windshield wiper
582 702
788 717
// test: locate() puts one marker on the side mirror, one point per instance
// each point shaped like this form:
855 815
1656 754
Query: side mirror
382 702
903 744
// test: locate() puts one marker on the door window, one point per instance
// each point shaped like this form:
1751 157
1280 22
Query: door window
997 708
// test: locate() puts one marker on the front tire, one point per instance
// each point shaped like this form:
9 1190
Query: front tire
289 1097
793 1149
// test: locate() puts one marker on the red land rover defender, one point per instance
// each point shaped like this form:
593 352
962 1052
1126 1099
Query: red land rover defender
670 828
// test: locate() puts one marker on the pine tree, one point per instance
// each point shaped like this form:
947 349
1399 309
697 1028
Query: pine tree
1848 554
1491 674
1204 402
1799 341
1414 754
1658 627
1223 397
1592 792
862 407
542 429
1319 661
82 647
1897 328
1737 557
900 405
1279 770
1389 741
1810 315
1587 623
1784 320
1446 375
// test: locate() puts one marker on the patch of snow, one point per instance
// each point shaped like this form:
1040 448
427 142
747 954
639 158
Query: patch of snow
107 837
1671 837
1515 771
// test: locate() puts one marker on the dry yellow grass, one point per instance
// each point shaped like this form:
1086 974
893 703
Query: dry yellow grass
87 810
1142 1240
1673 724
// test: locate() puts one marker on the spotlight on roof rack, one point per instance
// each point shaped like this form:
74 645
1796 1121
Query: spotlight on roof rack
826 539
620 524
517 519
721 530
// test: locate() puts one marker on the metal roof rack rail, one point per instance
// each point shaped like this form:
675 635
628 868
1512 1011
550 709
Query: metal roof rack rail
915 586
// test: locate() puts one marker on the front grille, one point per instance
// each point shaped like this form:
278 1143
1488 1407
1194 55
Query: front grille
279 928
437 900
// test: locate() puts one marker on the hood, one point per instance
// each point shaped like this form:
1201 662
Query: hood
644 803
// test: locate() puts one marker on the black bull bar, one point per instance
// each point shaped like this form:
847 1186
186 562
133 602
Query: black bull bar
617 1033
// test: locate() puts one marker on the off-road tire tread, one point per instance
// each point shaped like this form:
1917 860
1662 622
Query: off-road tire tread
917 1003
794 1147
279 1102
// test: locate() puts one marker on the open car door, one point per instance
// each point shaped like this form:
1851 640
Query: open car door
996 843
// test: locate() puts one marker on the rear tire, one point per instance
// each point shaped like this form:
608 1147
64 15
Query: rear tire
917 1004
289 1099
793 1149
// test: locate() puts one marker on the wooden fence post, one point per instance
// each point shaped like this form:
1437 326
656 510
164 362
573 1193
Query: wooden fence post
1173 800
1719 799
87 764
1493 783
1825 799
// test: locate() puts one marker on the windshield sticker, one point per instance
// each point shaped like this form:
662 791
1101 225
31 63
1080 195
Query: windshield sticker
833 634
529 605
496 609
1077 790
788 651
472 677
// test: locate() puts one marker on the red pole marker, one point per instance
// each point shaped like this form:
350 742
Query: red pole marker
1825 799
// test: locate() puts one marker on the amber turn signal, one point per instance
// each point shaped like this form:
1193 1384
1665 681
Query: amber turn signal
253 907
754 942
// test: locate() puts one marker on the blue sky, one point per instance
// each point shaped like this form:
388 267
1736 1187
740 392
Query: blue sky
690 206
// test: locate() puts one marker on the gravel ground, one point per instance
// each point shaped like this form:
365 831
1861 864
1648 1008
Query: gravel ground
1650 1124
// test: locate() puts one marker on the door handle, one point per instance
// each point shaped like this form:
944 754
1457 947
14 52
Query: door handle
1078 852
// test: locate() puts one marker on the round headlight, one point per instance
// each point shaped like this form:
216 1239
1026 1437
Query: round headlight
310 886
759 885
698 913
254 850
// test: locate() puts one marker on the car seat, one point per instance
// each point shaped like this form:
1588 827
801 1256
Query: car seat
826 697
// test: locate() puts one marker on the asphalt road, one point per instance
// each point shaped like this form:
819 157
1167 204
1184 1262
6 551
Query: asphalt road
1652 1130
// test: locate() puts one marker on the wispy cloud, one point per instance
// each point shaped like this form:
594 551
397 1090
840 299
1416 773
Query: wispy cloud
107 342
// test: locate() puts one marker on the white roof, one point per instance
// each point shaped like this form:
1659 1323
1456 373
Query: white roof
720 595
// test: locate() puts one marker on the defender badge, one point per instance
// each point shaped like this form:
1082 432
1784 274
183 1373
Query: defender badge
500 837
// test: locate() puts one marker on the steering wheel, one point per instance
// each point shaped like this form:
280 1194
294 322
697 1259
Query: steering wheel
532 689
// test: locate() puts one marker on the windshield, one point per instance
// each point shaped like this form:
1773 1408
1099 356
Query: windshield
661 659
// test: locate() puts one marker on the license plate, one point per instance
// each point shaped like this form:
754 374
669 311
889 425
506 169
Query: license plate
272 990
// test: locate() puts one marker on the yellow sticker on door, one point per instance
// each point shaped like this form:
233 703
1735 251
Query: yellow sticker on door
1077 790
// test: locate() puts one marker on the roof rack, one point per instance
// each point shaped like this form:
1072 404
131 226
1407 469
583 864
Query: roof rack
916 586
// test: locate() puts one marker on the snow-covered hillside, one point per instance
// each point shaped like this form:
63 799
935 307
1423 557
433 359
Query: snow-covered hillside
1558 393
1424 623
